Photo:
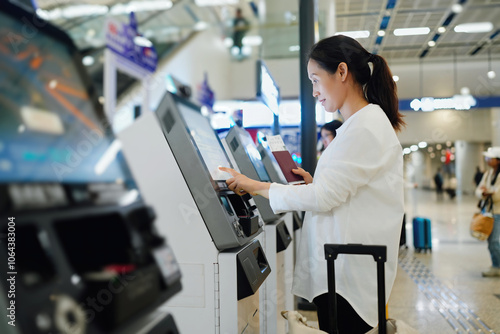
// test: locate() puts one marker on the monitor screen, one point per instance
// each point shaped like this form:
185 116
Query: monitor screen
254 156
267 89
206 141
49 128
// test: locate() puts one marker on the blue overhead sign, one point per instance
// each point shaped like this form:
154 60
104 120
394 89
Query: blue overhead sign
125 40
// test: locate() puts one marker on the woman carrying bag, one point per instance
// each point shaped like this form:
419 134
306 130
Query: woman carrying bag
490 186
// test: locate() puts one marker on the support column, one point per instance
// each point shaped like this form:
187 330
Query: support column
467 157
495 124
308 135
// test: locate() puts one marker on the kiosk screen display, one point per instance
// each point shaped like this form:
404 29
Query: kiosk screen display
49 128
255 157
207 142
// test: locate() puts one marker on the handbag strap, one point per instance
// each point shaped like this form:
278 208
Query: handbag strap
485 202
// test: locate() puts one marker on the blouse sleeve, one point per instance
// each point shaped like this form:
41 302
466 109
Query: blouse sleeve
479 192
352 163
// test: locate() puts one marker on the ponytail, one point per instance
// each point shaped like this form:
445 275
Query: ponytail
381 89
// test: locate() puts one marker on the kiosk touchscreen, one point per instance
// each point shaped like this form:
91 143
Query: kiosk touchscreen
175 155
231 219
249 161
81 251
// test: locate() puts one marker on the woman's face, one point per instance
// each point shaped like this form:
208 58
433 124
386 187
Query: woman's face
492 162
326 137
327 88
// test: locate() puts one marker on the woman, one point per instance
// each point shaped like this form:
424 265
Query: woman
357 192
328 132
489 186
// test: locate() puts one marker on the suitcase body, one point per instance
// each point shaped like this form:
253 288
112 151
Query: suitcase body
379 254
422 238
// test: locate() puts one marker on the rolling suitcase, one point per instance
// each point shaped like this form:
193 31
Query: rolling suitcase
422 238
402 239
379 254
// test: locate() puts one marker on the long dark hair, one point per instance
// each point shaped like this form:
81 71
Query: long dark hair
379 87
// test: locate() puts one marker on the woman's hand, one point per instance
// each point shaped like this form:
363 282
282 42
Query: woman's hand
485 191
305 175
241 184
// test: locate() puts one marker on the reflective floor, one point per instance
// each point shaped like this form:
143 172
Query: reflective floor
443 291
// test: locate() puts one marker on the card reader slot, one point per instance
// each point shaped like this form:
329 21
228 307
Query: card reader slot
249 222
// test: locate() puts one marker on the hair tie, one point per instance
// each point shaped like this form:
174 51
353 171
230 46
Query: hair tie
371 58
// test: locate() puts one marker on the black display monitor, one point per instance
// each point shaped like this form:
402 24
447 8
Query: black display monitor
52 129
252 153
267 89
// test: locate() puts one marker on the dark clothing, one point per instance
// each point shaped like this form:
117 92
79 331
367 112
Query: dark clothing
349 322
477 177
240 26
438 180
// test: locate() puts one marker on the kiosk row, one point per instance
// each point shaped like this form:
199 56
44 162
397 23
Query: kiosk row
104 238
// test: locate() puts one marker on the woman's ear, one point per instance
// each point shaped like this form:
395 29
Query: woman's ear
343 70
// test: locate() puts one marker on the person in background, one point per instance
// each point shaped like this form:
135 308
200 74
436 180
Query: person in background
356 195
240 28
438 181
478 176
490 186
328 132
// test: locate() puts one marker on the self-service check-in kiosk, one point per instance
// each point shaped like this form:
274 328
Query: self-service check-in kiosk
79 249
176 154
278 241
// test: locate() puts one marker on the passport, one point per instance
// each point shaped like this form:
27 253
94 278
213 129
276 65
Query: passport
284 159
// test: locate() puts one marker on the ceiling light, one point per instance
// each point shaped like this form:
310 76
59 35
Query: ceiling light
412 31
202 3
441 30
422 144
457 8
414 148
476 27
355 34
431 43
465 91
228 42
252 40
294 48
407 150
395 78
142 41
491 74
83 10
88 60
381 33
200 25
140 6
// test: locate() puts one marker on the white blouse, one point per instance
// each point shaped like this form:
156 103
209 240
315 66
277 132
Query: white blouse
356 197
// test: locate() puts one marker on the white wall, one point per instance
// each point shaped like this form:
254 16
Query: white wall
205 52
447 125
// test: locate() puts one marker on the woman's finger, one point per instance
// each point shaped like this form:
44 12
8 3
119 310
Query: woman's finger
229 170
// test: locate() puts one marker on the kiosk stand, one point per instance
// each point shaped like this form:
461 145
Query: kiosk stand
82 254
176 154
278 243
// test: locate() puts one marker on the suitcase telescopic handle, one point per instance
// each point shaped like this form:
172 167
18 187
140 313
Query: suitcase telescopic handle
379 254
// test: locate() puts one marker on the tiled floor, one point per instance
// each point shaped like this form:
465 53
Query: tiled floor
443 291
